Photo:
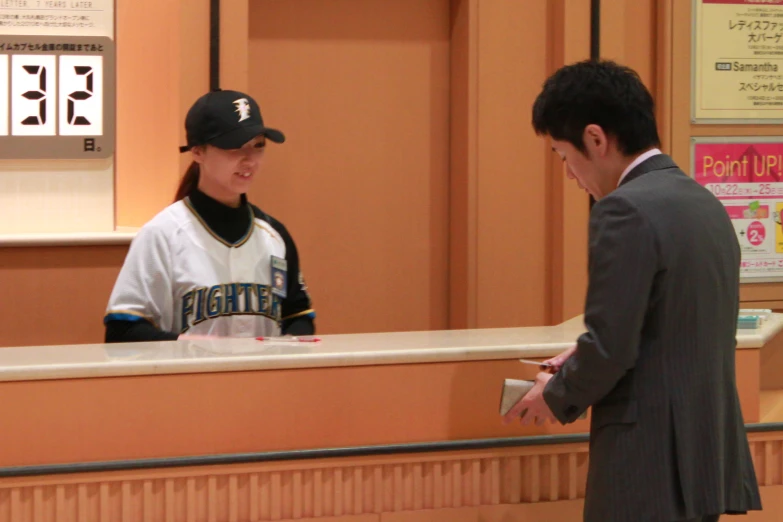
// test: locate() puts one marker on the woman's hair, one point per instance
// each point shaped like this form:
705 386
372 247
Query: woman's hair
189 182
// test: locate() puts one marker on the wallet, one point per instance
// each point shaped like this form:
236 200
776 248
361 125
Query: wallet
512 392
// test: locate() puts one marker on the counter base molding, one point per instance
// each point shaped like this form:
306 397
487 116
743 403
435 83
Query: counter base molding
521 483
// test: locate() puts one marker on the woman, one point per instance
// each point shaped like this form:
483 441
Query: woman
212 264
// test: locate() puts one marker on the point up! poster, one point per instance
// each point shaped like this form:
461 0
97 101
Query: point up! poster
747 177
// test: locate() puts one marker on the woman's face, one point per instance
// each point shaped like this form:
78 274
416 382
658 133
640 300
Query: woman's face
227 174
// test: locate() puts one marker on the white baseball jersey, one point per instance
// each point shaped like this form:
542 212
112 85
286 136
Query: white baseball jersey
182 277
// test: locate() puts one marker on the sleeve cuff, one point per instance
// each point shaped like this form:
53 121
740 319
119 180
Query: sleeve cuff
306 313
555 397
302 325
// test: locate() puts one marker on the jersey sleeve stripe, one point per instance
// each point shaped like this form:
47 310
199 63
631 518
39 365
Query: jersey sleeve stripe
126 315
310 313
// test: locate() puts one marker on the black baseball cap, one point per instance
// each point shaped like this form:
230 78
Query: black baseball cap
227 120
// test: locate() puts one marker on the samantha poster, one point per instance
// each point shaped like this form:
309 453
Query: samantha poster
737 61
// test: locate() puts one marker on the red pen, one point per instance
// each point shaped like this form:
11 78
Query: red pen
290 339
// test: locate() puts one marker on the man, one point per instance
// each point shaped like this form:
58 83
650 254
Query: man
667 438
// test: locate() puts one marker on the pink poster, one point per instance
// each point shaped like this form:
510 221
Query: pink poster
747 178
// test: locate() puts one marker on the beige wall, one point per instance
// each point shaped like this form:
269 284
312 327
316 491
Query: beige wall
412 174
362 92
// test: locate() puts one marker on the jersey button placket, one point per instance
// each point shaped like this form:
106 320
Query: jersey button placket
237 324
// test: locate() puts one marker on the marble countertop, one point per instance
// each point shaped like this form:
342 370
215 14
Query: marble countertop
221 355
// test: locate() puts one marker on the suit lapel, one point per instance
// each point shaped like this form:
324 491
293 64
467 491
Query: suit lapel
657 162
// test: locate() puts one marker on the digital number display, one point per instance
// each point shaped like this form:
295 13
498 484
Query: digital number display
57 97
81 95
33 99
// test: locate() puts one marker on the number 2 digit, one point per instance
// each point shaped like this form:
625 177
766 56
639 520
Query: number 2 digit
75 96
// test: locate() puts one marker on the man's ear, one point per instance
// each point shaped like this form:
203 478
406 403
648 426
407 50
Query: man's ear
595 139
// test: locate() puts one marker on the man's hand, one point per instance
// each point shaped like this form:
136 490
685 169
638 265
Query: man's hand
558 361
534 403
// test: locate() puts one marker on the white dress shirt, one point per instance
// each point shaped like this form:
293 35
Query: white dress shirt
642 157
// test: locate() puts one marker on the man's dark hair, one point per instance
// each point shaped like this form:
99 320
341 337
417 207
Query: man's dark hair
601 93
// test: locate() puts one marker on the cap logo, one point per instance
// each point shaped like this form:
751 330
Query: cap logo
243 108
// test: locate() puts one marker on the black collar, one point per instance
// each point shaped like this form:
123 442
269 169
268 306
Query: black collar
229 224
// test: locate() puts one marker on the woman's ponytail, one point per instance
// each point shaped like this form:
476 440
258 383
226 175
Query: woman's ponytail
189 182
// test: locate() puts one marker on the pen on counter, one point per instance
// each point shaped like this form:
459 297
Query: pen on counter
289 339
540 364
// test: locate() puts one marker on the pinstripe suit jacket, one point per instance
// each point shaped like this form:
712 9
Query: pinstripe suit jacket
657 361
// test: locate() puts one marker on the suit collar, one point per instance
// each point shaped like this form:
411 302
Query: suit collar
638 160
653 163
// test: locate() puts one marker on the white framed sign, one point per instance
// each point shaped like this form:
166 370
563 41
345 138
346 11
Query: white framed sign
57 116
57 17
737 62
57 97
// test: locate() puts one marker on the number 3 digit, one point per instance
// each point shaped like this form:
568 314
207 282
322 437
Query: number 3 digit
37 95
